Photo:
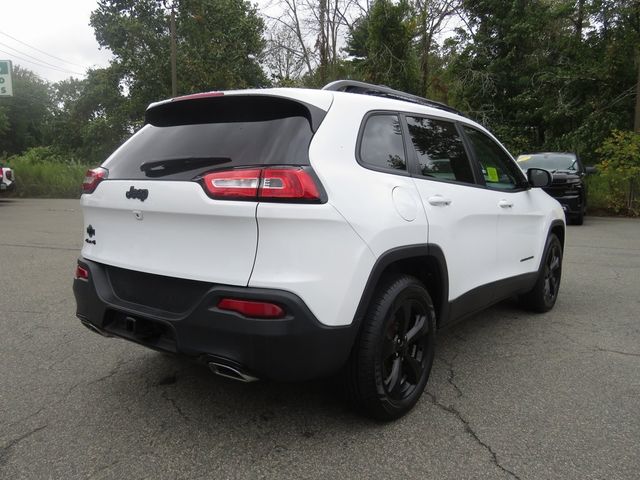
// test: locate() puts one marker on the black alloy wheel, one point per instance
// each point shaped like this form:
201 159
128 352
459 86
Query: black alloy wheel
552 271
544 294
404 349
392 358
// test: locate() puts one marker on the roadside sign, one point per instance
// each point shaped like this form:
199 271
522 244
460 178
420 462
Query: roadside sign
6 86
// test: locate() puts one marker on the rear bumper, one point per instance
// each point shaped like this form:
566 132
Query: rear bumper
296 347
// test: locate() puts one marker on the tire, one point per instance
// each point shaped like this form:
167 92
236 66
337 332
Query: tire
544 294
392 358
578 219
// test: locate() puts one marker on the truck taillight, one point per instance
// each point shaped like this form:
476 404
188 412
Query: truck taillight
92 178
295 184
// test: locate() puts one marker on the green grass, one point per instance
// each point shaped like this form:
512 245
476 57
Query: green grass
599 192
47 179
44 172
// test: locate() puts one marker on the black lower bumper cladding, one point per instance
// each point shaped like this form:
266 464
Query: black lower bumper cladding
181 316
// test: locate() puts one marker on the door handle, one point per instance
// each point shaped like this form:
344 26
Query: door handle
439 201
505 204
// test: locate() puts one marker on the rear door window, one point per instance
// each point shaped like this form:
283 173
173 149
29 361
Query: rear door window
439 150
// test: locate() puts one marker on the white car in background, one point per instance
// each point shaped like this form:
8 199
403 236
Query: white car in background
7 179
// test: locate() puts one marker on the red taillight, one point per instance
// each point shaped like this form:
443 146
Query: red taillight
284 183
92 178
288 183
9 175
251 308
82 273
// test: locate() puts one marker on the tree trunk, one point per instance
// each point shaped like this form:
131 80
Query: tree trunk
636 124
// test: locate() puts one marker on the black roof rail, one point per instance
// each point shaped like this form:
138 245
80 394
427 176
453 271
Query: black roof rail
353 86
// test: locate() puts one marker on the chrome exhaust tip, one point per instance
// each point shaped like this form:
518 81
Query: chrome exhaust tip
230 372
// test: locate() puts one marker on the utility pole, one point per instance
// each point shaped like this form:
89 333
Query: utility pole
174 73
172 30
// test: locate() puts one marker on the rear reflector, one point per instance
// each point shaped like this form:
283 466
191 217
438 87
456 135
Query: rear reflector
82 273
92 178
251 308
284 183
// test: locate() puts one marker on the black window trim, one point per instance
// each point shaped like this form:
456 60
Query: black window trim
411 159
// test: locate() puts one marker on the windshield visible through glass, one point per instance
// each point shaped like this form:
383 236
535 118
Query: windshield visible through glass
548 161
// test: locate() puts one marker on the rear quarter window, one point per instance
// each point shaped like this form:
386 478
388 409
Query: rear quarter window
381 143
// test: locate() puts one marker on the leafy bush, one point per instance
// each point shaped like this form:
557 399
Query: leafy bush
45 172
620 167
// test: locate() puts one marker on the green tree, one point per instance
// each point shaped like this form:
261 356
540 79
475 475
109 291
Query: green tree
91 117
547 75
218 44
382 44
620 166
25 116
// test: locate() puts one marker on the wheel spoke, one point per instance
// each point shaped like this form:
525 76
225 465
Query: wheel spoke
555 263
418 330
547 287
414 370
393 380
388 348
553 285
404 317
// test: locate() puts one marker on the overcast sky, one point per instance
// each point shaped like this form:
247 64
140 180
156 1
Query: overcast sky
59 30
54 27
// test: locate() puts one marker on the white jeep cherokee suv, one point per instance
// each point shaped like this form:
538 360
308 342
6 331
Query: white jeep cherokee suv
291 234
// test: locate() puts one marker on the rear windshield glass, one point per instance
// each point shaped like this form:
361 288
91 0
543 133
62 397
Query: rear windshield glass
175 149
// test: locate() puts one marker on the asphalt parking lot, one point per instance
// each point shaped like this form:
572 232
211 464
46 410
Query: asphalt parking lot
512 394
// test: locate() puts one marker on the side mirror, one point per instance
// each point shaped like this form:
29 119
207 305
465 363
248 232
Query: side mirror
538 177
590 170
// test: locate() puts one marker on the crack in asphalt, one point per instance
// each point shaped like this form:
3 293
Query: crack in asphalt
453 411
175 405
630 354
452 375
45 247
26 417
4 451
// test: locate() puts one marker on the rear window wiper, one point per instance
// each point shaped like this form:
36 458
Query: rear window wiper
170 166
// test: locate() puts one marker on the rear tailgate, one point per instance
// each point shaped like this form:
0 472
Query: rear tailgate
176 231
152 213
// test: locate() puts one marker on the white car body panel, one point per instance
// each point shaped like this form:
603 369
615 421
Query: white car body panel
312 251
364 197
465 230
5 182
